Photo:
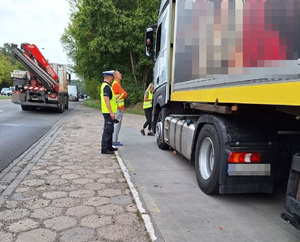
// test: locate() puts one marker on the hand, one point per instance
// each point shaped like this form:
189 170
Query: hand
112 115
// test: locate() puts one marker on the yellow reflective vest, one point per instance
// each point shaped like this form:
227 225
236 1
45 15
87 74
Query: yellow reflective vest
148 104
112 101
120 101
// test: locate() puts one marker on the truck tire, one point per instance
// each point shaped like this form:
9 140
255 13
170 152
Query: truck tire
67 103
207 159
61 109
24 107
159 133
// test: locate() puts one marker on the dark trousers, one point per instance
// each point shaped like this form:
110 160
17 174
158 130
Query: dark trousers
107 132
148 114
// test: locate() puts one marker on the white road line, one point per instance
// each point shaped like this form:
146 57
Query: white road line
1 111
136 196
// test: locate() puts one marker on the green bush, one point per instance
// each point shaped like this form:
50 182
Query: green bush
95 103
135 93
92 103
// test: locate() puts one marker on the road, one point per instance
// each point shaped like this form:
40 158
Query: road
182 212
20 129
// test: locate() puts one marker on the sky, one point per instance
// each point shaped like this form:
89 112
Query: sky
39 22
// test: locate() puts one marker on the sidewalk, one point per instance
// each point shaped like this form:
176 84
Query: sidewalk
73 192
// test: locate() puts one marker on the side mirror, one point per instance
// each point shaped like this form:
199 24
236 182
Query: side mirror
149 43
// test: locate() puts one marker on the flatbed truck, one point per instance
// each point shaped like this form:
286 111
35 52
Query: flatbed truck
43 84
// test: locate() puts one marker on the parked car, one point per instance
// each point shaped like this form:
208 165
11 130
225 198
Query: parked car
80 96
5 91
9 92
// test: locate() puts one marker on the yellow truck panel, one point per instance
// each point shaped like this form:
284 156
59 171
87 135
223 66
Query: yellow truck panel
270 94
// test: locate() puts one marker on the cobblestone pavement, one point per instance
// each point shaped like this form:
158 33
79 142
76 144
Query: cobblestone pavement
72 192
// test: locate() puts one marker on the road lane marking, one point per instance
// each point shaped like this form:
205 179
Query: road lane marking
1 111
153 206
19 125
129 165
136 196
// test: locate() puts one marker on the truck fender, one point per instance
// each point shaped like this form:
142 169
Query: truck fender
159 101
220 124
158 104
159 96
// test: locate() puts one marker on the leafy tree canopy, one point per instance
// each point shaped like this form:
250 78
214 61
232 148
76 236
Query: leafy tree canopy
8 63
110 34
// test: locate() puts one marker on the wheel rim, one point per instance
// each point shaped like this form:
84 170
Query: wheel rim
158 133
206 158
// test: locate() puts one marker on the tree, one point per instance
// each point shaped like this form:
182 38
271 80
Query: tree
8 63
109 34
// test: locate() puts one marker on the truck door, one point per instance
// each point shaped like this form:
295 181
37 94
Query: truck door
162 51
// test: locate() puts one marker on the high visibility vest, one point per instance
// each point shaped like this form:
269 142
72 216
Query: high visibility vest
112 101
148 104
120 102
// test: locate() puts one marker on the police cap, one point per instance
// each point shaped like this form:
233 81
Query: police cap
108 73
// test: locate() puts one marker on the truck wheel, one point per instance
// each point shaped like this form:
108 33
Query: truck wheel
159 133
24 108
62 108
67 103
207 159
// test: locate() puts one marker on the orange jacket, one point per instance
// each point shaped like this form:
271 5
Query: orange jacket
117 89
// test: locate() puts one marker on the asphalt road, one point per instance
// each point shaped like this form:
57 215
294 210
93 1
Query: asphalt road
20 129
182 212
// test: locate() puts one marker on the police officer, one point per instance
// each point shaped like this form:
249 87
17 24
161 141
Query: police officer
109 109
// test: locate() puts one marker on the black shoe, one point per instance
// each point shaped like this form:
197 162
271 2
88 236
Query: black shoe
150 134
107 152
113 149
142 132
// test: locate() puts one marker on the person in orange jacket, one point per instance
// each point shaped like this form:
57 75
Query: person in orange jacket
120 94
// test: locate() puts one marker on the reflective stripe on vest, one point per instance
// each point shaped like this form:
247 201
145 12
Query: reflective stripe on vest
112 101
148 104
120 103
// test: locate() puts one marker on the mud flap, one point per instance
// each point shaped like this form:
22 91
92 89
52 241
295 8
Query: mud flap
292 199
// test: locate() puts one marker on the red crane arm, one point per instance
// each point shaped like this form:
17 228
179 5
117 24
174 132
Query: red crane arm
32 51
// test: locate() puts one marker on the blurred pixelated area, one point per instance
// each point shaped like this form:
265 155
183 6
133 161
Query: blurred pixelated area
236 37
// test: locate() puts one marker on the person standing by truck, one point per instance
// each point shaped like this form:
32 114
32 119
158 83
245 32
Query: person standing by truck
120 95
147 105
109 109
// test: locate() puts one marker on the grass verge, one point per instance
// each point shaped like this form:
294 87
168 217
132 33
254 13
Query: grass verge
92 103
4 97
95 103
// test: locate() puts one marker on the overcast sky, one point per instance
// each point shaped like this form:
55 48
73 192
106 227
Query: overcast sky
39 22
